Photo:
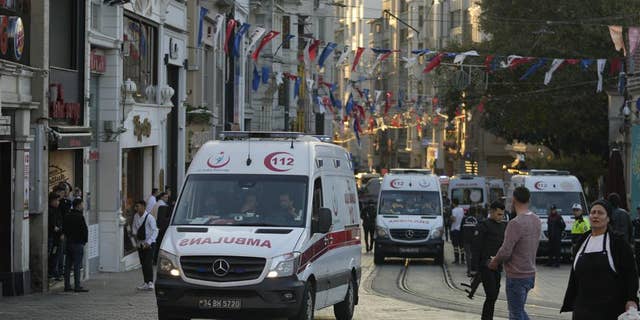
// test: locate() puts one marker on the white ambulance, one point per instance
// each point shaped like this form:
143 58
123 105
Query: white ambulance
409 222
265 224
469 190
547 188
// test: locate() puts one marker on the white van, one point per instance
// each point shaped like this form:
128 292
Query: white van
550 187
469 190
409 222
265 224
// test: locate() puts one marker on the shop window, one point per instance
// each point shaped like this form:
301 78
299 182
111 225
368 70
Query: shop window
140 58
64 34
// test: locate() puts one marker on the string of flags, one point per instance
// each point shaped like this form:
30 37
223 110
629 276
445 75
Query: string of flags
365 62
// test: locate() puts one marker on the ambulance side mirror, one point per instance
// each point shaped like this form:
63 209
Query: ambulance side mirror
325 220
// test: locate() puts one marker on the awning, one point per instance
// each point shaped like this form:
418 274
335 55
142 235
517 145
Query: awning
66 138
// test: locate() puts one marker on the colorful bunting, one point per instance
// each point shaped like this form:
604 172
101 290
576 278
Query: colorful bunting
359 52
434 63
256 79
343 56
231 24
203 13
266 72
257 33
263 43
541 62
554 66
286 39
238 38
326 52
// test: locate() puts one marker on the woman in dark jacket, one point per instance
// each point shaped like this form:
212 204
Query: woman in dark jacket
604 281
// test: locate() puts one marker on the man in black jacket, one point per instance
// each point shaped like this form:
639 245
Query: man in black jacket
555 228
621 220
368 216
486 243
54 236
77 234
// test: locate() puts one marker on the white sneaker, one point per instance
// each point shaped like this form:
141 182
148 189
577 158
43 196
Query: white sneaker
144 287
150 286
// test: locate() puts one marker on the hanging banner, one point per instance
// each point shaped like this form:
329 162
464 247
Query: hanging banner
343 56
434 63
541 62
203 13
459 59
265 40
238 39
313 50
634 39
286 39
554 66
326 52
231 24
616 37
356 60
217 26
257 33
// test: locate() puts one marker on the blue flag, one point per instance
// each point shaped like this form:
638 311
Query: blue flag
266 72
541 62
236 43
349 105
256 79
296 88
326 52
586 63
286 39
380 51
203 13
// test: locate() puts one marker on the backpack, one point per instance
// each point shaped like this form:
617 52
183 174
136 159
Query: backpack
142 231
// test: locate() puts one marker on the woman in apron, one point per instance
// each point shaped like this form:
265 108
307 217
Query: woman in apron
603 283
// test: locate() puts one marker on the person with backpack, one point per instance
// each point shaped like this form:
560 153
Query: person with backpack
145 231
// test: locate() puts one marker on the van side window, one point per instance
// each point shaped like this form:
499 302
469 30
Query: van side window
317 204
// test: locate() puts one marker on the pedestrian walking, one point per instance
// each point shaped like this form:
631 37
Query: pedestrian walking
486 242
518 253
447 216
603 282
457 214
77 235
145 231
621 220
580 226
468 228
152 199
555 229
55 237
368 216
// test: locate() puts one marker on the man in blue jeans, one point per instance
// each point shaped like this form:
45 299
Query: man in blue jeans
518 253
75 230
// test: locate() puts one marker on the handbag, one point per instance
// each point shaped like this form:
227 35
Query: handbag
141 234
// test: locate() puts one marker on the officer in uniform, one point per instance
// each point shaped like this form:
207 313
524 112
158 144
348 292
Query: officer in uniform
487 241
580 225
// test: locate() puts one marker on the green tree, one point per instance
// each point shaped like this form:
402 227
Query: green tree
567 116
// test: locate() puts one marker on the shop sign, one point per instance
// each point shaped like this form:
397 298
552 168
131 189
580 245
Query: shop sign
14 30
5 125
98 62
73 141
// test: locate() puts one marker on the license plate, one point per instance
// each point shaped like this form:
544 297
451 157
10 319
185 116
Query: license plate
409 250
219 303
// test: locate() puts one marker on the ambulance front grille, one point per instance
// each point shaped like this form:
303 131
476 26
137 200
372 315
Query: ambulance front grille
222 268
409 234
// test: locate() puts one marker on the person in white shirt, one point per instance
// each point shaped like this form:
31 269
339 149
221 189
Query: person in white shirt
145 230
457 214
163 200
151 201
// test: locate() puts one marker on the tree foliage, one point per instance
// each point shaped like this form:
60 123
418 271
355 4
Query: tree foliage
568 116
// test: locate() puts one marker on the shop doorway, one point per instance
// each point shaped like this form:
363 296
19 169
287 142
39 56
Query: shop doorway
5 206
132 189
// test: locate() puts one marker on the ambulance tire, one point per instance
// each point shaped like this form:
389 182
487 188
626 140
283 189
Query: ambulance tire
345 309
308 303
378 259
162 316
440 258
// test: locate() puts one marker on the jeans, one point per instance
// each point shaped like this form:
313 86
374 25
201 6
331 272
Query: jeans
368 237
146 259
491 284
55 257
517 291
75 251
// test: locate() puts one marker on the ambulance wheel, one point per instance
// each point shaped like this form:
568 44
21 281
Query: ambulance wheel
344 310
378 258
308 304
440 258
163 316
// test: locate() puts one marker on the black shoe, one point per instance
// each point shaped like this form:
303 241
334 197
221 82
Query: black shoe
81 289
68 290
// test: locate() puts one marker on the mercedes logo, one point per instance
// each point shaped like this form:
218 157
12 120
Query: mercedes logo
409 234
221 267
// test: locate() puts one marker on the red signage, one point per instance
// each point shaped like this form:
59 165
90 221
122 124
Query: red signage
98 62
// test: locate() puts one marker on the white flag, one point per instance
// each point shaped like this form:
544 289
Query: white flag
310 83
601 64
410 62
343 56
279 79
254 37
217 27
554 66
307 58
459 59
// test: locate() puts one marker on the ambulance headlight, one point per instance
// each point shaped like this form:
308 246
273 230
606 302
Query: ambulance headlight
167 264
382 233
436 233
284 265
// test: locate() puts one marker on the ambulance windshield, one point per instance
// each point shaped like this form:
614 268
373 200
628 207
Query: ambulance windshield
243 200
541 202
423 203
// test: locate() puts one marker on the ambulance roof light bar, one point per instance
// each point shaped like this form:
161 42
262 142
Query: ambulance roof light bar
243 135
410 171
